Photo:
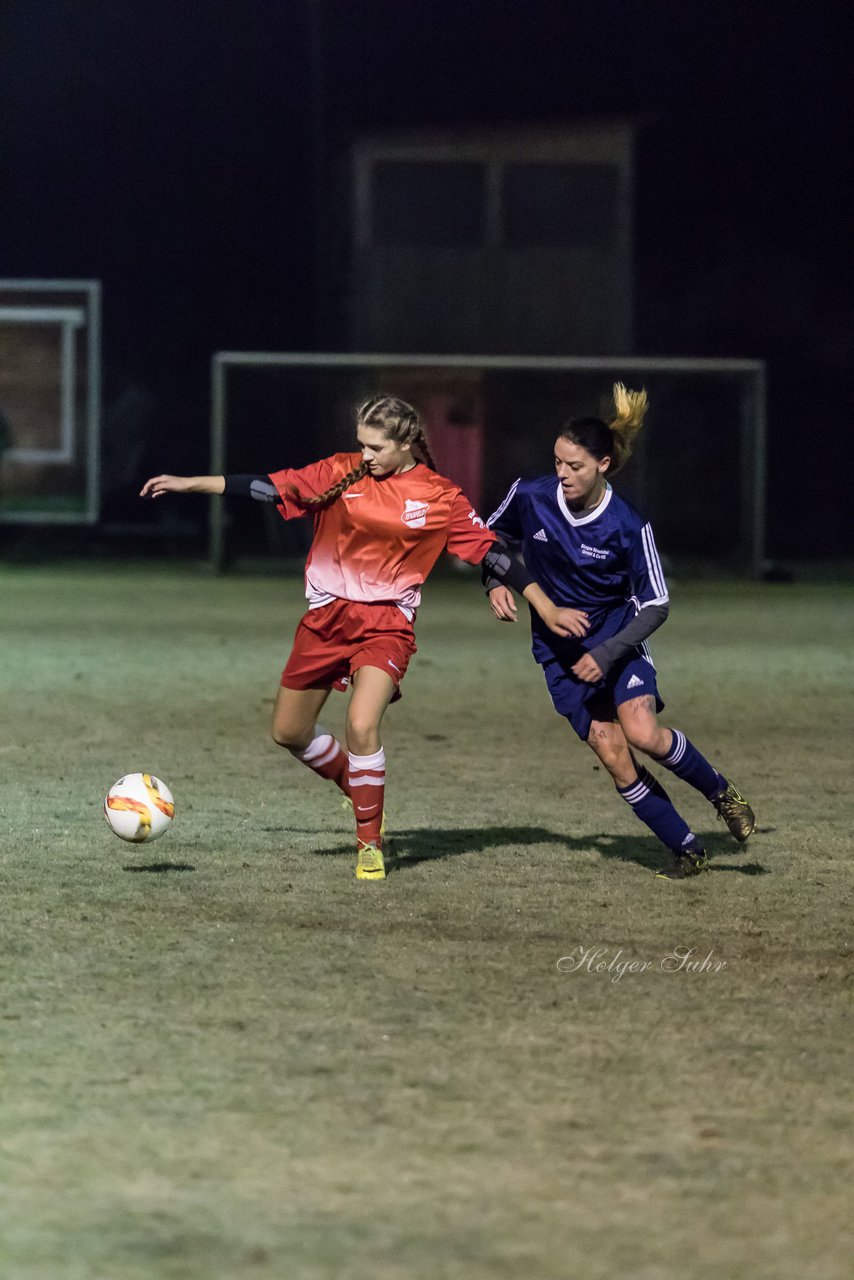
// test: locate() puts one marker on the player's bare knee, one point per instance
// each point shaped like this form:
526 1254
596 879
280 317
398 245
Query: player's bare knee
362 744
289 737
602 744
652 740
641 737
362 735
641 728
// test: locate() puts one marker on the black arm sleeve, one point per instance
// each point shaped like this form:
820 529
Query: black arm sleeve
258 487
488 578
642 625
501 568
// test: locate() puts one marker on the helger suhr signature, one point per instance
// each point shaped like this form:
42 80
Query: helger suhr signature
615 964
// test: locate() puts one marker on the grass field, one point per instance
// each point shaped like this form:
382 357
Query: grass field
223 1057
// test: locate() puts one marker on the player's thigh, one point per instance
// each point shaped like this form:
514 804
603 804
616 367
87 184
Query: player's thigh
295 715
373 690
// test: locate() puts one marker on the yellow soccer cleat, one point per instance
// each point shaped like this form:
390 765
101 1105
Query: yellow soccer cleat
370 864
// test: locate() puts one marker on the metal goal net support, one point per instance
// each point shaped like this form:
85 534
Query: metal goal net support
50 389
698 471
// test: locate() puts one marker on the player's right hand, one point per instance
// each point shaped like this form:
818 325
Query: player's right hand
158 485
503 604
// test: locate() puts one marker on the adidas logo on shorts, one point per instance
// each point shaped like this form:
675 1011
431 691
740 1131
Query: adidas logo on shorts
635 683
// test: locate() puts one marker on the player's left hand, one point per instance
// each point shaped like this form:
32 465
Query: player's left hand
588 670
567 622
158 485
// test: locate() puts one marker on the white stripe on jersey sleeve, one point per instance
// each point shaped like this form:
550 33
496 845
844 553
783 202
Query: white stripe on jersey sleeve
653 567
645 653
505 503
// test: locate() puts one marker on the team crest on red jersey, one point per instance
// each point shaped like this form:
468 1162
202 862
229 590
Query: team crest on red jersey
415 513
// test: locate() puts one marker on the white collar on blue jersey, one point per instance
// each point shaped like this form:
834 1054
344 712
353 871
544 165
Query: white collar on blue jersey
591 515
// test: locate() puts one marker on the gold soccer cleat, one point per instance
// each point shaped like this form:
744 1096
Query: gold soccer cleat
735 812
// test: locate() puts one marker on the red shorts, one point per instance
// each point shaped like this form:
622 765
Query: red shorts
332 642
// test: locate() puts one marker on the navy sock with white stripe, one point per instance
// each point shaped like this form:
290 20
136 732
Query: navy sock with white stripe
653 806
685 761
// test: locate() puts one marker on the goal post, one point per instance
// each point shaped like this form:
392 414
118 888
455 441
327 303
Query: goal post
50 401
703 463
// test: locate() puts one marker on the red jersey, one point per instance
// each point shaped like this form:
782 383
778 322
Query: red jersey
379 540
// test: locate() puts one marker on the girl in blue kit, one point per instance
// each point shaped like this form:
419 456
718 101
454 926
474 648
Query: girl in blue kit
591 551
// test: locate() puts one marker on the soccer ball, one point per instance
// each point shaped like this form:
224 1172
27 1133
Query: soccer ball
139 807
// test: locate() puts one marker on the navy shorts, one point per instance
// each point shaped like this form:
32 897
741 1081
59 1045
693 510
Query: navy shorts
582 703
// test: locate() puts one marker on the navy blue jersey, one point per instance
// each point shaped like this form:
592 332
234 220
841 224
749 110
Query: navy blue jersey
603 561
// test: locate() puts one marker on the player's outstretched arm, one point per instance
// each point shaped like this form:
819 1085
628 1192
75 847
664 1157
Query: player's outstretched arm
158 485
561 620
501 568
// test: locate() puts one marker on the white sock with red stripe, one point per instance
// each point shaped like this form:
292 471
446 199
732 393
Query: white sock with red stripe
325 756
366 780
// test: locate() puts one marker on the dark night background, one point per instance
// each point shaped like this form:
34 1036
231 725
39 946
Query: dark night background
170 151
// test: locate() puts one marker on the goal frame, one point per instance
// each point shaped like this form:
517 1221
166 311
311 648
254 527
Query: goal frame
752 376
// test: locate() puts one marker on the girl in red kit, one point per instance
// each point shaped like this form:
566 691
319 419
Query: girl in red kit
382 518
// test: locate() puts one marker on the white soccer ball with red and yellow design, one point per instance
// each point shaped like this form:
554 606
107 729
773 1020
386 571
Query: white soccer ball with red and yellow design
139 807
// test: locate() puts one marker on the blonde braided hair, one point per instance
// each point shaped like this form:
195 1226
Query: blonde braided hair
399 422
326 499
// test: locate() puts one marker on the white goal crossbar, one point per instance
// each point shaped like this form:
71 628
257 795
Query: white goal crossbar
751 377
